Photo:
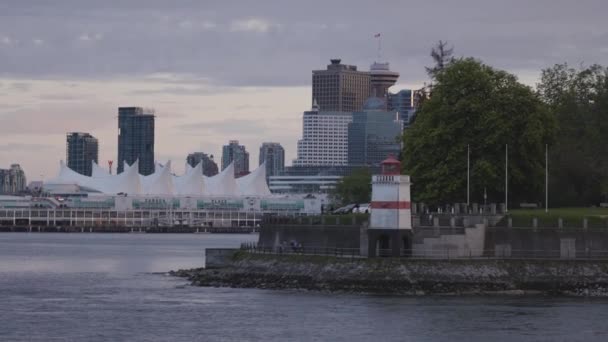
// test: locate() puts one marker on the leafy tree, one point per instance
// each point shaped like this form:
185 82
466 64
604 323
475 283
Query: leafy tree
474 104
579 158
355 188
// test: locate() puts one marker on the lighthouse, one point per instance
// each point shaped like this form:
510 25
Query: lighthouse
390 228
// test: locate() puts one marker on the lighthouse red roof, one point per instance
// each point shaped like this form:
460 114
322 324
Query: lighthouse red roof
391 166
390 160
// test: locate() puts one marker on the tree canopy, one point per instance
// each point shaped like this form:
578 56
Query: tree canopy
355 188
473 104
579 159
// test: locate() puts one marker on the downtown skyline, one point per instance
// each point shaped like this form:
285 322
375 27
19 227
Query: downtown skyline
187 62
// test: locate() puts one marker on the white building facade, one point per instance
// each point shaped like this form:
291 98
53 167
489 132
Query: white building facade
324 138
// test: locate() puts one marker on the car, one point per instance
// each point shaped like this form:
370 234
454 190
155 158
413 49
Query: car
344 210
362 209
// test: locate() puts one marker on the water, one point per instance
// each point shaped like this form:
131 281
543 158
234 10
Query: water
94 287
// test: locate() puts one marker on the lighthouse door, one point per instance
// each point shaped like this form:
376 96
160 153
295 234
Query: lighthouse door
383 246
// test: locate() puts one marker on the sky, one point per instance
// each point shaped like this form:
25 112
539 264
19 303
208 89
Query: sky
221 70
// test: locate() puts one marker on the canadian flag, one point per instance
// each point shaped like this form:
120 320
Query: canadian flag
377 35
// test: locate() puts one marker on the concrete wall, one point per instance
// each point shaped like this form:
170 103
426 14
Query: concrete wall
219 257
454 241
322 236
450 244
549 242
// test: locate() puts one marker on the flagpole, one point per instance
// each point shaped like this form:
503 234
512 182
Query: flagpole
379 37
546 178
468 176
507 178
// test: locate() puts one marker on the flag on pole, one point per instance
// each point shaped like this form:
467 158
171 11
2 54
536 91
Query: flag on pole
377 35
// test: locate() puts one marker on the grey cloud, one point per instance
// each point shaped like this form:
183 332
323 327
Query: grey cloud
270 44
56 119
11 147
20 86
198 91
232 127
62 97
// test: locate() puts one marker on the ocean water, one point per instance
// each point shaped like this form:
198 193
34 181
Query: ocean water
113 287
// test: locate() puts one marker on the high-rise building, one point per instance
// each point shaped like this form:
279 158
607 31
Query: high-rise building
373 134
273 154
340 88
136 138
381 78
324 138
233 152
12 181
209 165
403 103
81 149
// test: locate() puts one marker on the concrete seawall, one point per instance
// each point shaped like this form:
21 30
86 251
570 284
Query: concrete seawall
407 276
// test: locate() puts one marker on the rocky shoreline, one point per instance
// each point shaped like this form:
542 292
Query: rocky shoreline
407 276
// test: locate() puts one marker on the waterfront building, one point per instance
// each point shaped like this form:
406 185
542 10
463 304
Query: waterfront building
324 138
237 154
136 138
310 179
81 150
340 88
209 165
303 184
381 79
373 134
272 155
12 180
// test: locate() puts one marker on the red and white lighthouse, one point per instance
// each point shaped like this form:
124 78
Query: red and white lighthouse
390 229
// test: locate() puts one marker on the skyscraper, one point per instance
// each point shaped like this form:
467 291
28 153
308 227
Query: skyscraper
273 154
209 165
381 78
324 138
403 103
340 88
136 138
373 134
81 149
233 152
12 181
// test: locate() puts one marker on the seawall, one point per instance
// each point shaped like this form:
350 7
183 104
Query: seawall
406 276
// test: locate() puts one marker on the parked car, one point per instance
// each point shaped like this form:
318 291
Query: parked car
363 209
347 209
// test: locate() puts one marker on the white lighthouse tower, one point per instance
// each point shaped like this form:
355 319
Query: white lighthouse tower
390 229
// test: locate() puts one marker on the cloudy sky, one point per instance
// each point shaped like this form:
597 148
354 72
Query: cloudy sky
221 70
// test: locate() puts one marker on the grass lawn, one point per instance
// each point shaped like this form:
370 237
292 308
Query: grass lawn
572 217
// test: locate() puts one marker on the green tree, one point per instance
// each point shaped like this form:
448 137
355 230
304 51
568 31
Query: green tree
476 105
579 159
355 188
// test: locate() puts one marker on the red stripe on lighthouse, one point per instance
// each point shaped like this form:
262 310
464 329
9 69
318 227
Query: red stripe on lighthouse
390 205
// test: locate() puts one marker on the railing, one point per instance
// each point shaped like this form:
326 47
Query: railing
253 247
434 253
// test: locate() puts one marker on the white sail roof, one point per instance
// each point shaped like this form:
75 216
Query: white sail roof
98 171
254 183
222 184
162 182
191 183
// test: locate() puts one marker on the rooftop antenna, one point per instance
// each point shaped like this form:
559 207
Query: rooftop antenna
378 36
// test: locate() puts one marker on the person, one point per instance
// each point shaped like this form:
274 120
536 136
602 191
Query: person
294 245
